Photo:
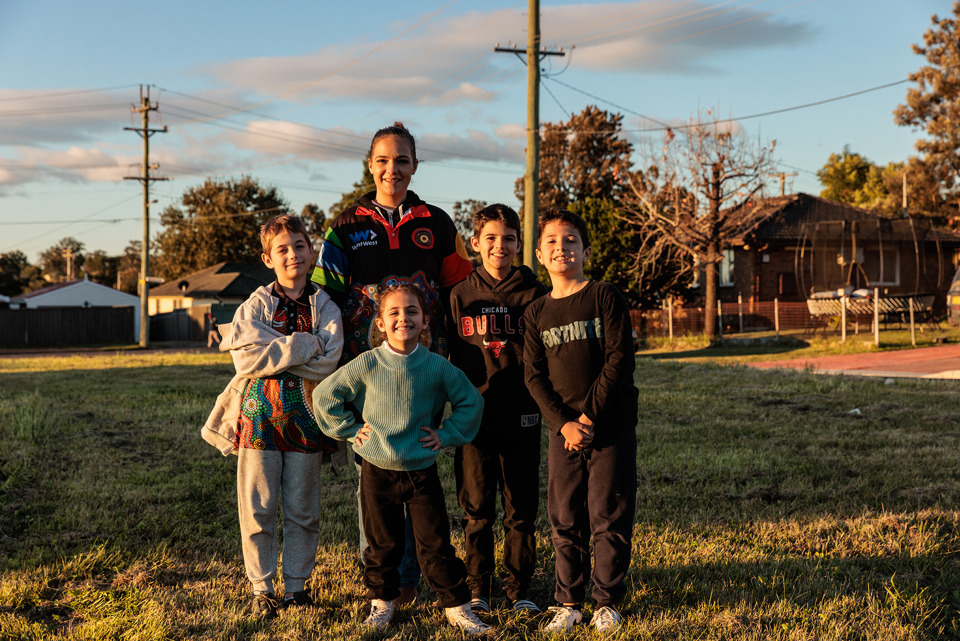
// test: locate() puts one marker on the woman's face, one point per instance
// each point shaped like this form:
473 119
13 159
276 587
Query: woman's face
392 165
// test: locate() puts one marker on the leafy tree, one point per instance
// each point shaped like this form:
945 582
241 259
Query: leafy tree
850 178
934 104
219 221
63 259
128 268
361 187
925 194
12 266
586 157
100 268
462 214
32 276
315 220
694 196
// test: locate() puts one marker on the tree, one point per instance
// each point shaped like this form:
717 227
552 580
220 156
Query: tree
63 260
100 268
128 268
219 221
934 104
584 158
315 220
694 197
462 214
12 266
850 178
361 187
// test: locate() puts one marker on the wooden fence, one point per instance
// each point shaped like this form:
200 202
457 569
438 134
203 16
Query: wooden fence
61 326
767 316
188 324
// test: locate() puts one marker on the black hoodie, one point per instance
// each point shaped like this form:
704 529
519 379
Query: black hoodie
486 342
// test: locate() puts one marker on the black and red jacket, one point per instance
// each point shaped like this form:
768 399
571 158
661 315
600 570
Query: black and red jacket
364 252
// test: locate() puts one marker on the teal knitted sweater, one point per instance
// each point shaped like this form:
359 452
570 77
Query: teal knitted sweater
396 395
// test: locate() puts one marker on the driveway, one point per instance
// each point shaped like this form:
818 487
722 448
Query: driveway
942 361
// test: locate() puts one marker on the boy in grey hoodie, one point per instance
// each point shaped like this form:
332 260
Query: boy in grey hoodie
284 340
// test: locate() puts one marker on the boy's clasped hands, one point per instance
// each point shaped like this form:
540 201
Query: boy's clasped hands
578 434
431 441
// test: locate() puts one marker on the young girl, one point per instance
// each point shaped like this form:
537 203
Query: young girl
390 236
398 388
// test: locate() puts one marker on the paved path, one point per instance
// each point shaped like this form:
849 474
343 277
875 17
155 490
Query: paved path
942 361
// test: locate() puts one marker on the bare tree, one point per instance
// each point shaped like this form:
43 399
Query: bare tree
696 195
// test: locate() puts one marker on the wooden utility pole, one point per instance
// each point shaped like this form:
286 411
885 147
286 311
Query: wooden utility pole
783 181
68 256
144 109
531 179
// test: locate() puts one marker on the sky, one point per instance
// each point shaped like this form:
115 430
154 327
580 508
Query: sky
291 91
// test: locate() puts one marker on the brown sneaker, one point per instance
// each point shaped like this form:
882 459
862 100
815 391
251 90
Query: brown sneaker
265 606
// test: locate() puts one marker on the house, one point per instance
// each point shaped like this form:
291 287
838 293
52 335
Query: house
808 246
180 308
224 284
78 293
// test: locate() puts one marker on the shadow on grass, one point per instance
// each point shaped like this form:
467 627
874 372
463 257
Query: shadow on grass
725 351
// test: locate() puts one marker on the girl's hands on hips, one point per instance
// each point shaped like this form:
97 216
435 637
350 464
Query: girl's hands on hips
432 440
362 434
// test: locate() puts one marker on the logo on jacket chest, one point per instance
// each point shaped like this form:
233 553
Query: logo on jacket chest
363 238
493 324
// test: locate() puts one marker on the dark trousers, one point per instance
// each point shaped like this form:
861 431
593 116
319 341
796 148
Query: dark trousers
508 466
383 494
592 493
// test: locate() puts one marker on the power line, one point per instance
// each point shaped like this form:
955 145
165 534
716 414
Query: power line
664 126
58 94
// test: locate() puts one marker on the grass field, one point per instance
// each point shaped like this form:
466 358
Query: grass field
771 505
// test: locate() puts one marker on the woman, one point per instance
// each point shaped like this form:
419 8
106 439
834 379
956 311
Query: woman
391 237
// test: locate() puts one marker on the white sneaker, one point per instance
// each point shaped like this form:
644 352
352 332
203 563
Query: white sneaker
464 618
606 619
380 614
564 618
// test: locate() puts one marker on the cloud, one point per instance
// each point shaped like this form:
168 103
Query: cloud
29 117
651 36
451 58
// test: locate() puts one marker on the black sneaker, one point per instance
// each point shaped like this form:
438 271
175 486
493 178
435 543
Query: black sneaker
265 606
297 598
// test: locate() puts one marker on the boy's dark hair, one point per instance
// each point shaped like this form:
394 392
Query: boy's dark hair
402 287
496 211
270 229
396 129
566 217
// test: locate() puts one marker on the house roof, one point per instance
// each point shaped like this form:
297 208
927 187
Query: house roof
49 289
223 280
69 290
798 216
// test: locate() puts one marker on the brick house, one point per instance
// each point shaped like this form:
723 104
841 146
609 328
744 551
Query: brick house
808 244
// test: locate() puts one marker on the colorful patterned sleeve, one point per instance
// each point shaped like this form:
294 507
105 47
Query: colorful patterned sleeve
332 265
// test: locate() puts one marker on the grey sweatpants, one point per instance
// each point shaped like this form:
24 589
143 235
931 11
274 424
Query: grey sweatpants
264 479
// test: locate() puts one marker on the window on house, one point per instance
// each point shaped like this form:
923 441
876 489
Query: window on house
726 268
891 267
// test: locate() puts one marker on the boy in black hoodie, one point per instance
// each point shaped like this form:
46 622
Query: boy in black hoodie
487 344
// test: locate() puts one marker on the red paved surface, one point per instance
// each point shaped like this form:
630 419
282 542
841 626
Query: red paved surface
942 361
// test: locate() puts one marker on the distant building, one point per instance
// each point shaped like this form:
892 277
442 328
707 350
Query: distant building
224 285
808 245
77 293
